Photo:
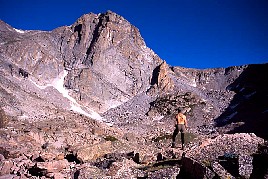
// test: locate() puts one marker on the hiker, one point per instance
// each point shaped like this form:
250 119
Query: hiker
180 126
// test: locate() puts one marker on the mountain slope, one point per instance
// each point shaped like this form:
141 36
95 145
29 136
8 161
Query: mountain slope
103 59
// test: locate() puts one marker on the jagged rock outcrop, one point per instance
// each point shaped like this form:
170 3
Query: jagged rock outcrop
107 60
231 152
162 79
170 104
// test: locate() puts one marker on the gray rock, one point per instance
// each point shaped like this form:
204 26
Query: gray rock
193 169
6 167
220 171
245 165
7 176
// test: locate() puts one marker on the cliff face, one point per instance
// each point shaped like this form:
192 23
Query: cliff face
248 108
105 59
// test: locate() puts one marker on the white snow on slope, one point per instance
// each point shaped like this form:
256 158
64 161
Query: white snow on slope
39 86
193 83
158 118
19 31
58 84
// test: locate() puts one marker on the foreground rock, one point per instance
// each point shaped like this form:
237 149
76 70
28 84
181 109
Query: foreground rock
227 155
93 152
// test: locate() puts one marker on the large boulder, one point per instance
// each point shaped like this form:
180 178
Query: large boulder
91 153
260 165
232 151
194 169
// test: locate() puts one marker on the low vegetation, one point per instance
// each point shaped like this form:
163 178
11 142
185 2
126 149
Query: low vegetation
110 138
160 165
189 137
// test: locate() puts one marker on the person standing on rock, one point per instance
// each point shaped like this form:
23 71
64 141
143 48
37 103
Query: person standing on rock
180 126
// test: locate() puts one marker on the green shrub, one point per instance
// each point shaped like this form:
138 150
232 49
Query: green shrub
188 137
162 138
110 138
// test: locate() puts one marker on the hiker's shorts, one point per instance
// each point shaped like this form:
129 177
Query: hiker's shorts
181 128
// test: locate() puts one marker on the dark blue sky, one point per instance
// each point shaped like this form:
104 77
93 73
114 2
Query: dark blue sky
189 33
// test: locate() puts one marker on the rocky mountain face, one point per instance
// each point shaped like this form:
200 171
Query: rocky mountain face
91 100
102 58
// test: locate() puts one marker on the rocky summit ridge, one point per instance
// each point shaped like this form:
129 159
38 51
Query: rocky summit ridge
91 100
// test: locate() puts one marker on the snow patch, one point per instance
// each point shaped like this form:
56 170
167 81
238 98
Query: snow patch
114 104
183 75
19 31
78 109
39 86
58 84
193 84
109 124
158 118
207 110
23 117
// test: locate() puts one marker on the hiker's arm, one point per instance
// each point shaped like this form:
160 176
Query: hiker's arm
177 121
185 122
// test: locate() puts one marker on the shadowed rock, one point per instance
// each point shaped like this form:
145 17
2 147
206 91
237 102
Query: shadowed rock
3 118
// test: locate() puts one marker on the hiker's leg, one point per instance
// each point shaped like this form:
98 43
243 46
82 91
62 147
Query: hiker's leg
182 138
183 130
176 131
